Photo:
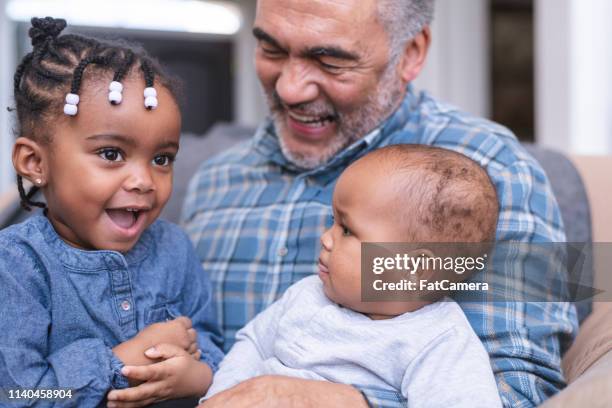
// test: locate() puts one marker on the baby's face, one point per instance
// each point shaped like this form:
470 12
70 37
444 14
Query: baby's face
110 167
363 212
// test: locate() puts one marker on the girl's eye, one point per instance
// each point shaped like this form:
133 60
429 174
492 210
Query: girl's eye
113 155
345 231
163 160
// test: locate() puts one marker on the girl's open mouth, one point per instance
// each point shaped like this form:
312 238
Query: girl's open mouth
127 220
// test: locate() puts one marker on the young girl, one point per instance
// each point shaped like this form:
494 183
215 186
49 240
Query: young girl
92 292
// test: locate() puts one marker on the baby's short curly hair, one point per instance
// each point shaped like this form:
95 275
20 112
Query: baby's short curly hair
442 195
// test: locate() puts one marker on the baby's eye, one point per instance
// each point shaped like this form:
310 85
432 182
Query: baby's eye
345 231
163 160
110 154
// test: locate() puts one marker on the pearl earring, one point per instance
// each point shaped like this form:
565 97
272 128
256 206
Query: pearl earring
38 181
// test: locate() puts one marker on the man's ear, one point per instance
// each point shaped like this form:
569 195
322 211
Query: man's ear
29 160
415 55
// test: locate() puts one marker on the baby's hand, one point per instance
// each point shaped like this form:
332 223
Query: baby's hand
177 376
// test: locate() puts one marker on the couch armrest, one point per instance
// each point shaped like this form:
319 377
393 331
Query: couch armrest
595 173
588 363
592 343
592 389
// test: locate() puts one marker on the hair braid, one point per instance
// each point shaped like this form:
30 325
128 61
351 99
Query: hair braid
79 70
149 75
124 68
26 198
20 71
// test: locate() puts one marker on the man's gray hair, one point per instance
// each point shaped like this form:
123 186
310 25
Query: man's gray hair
402 20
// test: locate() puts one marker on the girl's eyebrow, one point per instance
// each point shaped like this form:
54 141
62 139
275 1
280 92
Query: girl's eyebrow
130 141
165 145
114 138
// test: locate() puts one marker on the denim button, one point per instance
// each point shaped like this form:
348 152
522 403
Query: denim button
282 251
125 305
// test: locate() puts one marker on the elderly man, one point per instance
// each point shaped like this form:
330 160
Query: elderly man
337 75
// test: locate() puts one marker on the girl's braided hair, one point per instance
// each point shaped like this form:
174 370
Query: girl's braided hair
56 66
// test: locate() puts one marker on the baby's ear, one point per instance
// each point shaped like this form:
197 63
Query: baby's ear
423 272
29 160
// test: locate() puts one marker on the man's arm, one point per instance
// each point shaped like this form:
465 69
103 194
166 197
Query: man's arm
278 391
525 339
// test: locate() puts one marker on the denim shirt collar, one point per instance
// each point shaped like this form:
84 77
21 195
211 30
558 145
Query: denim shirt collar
91 261
267 144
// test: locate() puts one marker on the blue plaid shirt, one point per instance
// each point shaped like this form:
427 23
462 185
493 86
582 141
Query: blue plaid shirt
256 219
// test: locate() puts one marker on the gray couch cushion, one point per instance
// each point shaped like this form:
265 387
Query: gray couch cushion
575 211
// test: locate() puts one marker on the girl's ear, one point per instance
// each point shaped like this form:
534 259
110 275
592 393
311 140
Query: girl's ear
29 160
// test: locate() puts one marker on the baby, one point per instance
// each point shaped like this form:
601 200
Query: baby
320 329
98 294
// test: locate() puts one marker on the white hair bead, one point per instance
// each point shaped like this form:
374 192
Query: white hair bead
115 87
70 109
72 99
115 97
150 91
150 102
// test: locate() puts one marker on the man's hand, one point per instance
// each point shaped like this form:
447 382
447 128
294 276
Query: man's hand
276 391
178 375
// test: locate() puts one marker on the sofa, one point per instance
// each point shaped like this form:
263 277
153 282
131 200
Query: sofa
588 363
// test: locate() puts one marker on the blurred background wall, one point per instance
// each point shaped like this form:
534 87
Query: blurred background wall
540 67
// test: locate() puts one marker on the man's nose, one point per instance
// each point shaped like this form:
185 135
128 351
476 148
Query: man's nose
139 180
326 240
296 84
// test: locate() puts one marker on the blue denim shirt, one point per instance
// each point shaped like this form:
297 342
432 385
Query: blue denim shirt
63 309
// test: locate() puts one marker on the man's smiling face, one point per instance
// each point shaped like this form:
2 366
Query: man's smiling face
325 69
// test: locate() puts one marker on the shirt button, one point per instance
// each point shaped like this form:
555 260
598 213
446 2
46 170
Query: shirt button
125 305
282 251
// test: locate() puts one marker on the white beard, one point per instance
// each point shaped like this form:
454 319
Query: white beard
352 126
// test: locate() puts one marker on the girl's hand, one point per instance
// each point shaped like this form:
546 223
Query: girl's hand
178 332
178 375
